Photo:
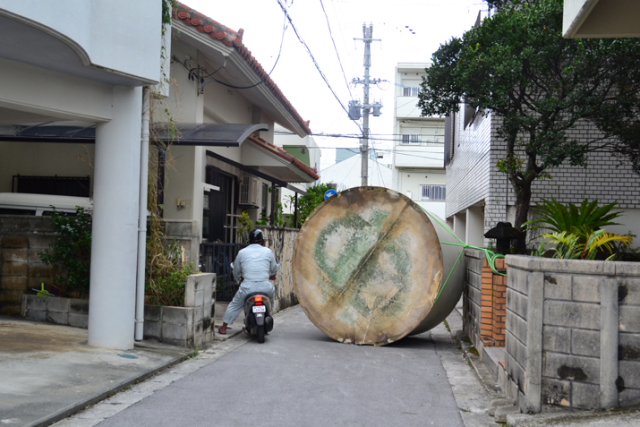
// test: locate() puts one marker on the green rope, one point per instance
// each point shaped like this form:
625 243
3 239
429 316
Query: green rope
491 256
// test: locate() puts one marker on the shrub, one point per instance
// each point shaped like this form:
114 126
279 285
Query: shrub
166 275
70 254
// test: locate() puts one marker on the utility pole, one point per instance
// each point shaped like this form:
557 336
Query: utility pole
355 106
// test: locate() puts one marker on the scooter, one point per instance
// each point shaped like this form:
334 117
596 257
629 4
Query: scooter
257 315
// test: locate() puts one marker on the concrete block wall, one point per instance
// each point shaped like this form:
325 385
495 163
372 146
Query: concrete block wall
189 326
472 296
61 311
21 239
573 333
484 301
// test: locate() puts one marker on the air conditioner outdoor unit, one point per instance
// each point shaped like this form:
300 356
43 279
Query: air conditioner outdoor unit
249 191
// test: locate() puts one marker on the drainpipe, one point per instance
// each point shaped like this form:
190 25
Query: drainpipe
273 204
142 215
295 212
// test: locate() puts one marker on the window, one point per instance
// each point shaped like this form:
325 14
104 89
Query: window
434 192
410 91
411 139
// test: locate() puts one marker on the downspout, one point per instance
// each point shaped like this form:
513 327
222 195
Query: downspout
142 215
273 204
295 213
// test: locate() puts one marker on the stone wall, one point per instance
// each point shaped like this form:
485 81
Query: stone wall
21 239
282 242
484 302
573 333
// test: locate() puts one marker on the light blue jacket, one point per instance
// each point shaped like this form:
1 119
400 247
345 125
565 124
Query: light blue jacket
255 263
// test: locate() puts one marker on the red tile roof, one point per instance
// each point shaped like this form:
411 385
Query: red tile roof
312 172
231 38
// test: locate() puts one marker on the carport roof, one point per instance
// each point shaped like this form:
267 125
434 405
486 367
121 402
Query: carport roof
204 134
182 134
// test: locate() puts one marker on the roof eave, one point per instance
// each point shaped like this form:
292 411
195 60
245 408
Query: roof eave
278 105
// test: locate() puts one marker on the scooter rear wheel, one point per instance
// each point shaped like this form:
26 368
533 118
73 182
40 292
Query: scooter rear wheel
260 333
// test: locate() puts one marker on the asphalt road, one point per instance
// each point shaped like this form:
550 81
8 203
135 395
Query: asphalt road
300 377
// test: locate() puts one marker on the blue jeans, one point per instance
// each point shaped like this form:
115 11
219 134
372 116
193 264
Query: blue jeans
237 304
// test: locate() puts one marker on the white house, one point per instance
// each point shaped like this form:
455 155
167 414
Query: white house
230 163
84 62
73 76
348 174
418 148
306 150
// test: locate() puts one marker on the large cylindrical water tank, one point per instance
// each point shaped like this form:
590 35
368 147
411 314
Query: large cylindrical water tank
371 267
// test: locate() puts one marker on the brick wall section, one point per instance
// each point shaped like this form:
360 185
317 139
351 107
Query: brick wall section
484 301
21 239
498 303
585 363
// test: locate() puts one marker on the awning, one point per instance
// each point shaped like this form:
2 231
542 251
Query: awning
185 134
207 134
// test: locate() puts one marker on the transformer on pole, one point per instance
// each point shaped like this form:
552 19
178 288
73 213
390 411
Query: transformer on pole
355 107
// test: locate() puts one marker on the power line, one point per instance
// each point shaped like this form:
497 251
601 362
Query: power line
336 49
295 30
374 137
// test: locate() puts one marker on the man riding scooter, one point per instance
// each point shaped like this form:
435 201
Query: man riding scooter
254 268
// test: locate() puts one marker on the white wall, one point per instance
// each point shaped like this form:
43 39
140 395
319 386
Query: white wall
104 32
410 184
468 174
52 94
347 174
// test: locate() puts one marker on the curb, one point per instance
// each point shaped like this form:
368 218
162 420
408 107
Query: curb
82 404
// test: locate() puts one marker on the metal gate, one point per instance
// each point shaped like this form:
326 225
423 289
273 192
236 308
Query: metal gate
217 258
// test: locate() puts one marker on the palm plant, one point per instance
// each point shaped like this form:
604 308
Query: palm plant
577 231
557 217
577 246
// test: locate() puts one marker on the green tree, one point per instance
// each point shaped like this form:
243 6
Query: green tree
314 196
517 65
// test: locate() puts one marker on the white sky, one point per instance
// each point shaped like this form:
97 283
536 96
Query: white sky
433 22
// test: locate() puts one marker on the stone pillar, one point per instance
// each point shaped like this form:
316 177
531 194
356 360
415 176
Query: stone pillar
475 227
533 375
609 320
115 223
